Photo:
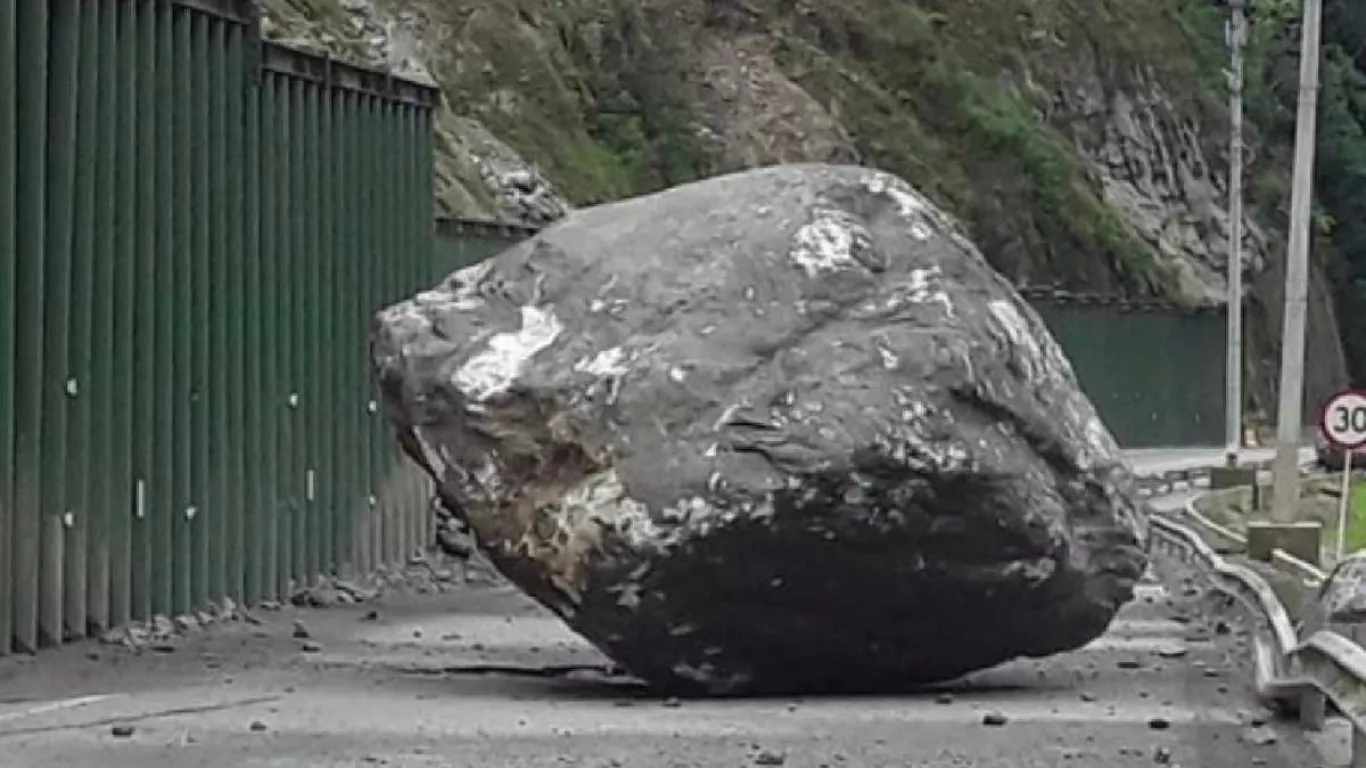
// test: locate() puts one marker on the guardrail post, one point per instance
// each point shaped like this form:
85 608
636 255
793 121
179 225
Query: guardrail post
1232 477
1301 539
1340 607
1314 712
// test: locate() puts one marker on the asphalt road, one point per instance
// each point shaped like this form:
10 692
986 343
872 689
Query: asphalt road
1145 460
479 677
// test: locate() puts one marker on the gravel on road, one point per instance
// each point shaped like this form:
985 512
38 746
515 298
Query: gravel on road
481 677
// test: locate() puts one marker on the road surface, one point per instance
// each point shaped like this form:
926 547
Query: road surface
1150 460
479 677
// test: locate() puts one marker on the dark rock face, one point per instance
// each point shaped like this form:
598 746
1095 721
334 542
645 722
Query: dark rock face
784 430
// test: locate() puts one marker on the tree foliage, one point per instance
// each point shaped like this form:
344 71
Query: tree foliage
1340 168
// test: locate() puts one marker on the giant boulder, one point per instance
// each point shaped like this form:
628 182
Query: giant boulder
784 430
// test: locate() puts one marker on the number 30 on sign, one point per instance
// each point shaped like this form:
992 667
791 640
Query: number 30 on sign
1343 422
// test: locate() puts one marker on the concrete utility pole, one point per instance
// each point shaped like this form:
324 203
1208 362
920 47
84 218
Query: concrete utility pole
1233 394
1289 429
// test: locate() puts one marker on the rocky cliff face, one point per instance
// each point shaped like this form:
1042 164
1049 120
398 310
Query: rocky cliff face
1083 144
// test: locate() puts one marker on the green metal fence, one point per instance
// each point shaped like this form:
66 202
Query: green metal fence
195 229
1154 371
462 242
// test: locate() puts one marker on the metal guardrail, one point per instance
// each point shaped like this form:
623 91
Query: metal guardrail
1291 674
1188 478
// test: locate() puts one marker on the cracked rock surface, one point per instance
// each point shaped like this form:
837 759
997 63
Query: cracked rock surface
779 430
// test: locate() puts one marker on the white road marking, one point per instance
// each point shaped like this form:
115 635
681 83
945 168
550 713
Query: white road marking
55 706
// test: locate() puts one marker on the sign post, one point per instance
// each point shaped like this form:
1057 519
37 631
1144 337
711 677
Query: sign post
1342 425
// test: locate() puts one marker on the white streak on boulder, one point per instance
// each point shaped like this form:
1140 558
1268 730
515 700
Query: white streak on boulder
497 367
828 243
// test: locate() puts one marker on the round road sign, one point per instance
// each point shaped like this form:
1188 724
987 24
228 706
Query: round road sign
1343 421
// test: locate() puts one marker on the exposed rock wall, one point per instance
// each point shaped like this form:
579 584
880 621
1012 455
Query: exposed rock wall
1084 146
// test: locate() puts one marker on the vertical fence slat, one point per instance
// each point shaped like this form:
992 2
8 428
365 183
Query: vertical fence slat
272 294
217 294
122 334
329 478
8 314
383 255
374 269
384 283
182 296
99 406
56 328
255 437
201 523
312 373
359 417
81 388
303 310
232 259
163 408
145 525
354 410
150 427
344 412
322 317
289 344
31 235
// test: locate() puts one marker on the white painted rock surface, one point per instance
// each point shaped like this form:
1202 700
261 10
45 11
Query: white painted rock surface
779 430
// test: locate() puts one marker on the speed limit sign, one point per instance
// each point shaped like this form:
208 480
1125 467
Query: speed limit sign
1343 421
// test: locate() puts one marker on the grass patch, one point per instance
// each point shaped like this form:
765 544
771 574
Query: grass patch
959 100
1356 518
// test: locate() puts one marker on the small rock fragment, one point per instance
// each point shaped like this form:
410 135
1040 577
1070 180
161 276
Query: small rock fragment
1159 723
994 719
301 631
121 730
767 757
1260 736
258 726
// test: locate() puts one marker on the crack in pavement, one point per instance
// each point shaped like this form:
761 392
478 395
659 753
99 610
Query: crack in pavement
129 719
548 671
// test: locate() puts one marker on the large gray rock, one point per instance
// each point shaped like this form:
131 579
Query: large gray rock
1340 603
779 430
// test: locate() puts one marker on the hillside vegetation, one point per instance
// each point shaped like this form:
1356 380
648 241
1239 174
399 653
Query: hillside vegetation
1083 142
